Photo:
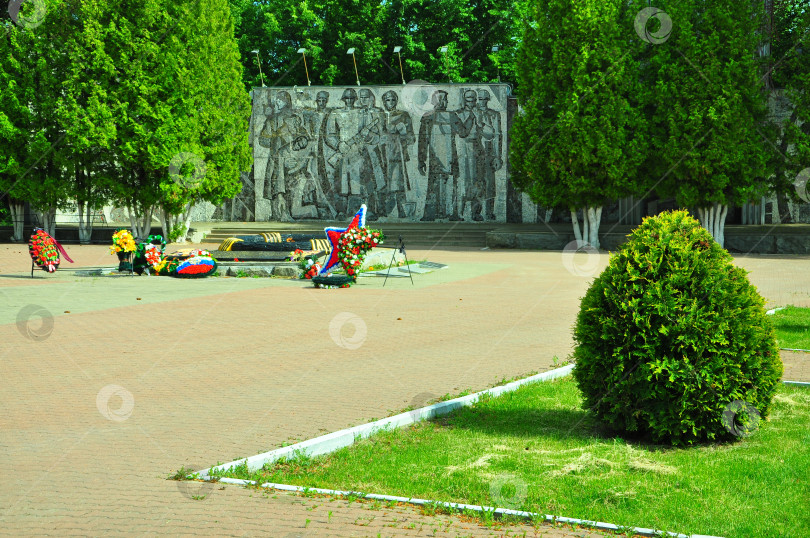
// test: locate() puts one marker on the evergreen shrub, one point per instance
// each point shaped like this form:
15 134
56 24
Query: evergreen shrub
672 340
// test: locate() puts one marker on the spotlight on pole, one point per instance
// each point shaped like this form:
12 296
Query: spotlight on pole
302 51
397 49
446 67
351 51
256 52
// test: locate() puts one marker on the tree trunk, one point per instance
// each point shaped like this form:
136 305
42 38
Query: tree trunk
140 227
17 209
588 235
713 218
47 219
166 224
85 223
169 222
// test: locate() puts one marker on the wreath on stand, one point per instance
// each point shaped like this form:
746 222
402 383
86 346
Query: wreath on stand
353 246
44 251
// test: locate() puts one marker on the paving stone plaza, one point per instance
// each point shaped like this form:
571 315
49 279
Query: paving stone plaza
112 383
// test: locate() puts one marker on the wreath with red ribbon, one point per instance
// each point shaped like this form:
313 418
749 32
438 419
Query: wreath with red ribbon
43 251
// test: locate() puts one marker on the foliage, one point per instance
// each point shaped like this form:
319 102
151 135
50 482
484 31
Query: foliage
110 98
328 28
581 136
791 71
710 107
671 333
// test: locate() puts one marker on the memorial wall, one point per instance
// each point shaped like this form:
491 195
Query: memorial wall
415 152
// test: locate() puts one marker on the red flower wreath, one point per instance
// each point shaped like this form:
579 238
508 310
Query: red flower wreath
43 251
354 244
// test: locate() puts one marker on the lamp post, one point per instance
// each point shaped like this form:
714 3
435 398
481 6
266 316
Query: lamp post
397 49
446 67
256 52
303 51
351 51
495 49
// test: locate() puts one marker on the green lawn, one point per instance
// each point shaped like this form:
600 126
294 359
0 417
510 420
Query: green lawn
535 449
792 327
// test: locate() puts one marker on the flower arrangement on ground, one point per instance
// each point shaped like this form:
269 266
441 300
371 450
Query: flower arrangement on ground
149 254
189 263
307 262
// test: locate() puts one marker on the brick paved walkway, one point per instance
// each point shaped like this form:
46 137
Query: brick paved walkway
128 379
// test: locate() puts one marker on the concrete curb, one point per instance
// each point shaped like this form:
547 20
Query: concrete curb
343 438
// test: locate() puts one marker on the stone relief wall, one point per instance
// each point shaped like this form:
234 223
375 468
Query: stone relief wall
432 152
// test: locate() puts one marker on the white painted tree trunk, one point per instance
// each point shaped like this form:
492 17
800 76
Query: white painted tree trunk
47 219
141 227
85 223
713 218
17 209
169 221
589 233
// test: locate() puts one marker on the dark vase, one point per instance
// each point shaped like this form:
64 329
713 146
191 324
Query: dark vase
124 261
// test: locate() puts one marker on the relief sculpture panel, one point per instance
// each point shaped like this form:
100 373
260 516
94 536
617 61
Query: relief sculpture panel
416 152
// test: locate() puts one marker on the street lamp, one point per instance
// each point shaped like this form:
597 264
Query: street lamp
351 51
495 49
302 51
397 49
256 52
446 67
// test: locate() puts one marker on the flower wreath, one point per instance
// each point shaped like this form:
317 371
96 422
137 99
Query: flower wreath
149 254
43 251
354 244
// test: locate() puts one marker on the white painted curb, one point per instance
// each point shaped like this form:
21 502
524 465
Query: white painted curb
599 525
343 438
797 383
336 440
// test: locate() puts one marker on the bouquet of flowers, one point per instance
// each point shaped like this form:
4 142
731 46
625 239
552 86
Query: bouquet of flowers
354 244
308 264
122 242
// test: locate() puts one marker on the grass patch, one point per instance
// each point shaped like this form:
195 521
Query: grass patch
535 449
792 327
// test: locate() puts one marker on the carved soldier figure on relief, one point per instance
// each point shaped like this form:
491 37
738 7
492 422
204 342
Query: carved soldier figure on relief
319 189
398 135
488 131
438 157
346 140
469 149
372 122
286 138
